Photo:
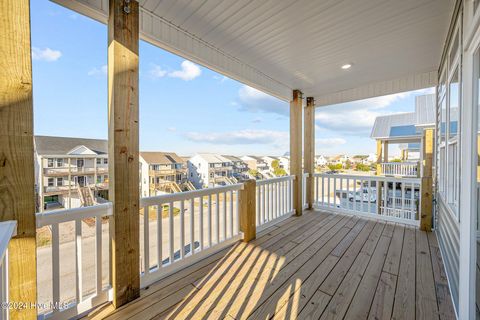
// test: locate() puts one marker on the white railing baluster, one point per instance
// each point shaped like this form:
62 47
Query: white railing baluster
146 241
210 229
170 232
182 229
78 256
192 226
224 216
217 217
159 236
257 206
98 254
55 263
201 223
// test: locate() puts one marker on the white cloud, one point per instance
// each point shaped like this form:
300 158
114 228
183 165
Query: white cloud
102 71
220 78
172 129
257 120
253 100
189 71
46 54
355 117
329 142
157 72
248 136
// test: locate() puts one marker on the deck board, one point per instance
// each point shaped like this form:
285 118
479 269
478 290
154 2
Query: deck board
317 266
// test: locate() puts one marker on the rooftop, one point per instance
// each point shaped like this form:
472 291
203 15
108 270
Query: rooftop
49 145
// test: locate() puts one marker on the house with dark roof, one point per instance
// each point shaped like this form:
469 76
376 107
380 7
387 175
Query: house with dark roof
70 172
163 172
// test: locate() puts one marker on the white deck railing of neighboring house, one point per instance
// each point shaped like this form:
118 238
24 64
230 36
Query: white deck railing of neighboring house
7 231
273 201
69 297
304 190
399 199
186 227
404 169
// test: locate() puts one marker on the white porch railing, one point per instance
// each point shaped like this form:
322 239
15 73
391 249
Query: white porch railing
8 229
404 169
304 190
273 201
181 228
71 269
398 200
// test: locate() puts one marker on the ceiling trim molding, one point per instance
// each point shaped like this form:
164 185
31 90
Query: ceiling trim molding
377 89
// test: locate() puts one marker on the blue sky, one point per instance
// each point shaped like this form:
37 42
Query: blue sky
184 107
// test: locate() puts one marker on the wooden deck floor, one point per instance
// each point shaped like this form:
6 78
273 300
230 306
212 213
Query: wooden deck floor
318 266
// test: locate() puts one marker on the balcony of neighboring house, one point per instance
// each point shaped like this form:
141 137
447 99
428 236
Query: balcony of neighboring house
303 246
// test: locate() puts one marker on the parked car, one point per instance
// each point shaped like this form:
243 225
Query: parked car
363 195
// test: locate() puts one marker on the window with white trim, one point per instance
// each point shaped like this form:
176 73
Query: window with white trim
448 115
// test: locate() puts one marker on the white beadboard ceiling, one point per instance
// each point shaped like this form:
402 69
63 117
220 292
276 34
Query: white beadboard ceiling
280 45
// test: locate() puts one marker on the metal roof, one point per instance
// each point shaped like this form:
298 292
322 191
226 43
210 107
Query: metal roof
49 145
277 46
404 125
213 158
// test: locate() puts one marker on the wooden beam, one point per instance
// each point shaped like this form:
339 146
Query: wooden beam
379 172
379 157
17 179
296 150
247 210
309 149
123 144
385 151
427 181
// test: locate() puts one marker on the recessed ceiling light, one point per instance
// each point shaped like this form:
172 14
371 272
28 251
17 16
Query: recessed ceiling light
346 66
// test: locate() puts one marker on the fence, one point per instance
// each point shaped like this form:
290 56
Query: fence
273 200
387 197
404 169
180 228
73 291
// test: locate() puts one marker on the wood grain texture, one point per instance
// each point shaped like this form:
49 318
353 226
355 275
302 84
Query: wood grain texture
17 181
427 181
315 266
123 37
309 149
247 212
296 150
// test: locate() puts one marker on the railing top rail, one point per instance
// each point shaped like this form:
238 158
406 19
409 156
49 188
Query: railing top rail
8 229
277 179
173 197
412 163
59 216
371 178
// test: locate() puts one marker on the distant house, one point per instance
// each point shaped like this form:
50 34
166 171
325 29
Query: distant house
70 172
285 163
162 172
320 161
207 170
338 159
259 165
240 168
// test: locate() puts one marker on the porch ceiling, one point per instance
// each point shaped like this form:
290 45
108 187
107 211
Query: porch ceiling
277 46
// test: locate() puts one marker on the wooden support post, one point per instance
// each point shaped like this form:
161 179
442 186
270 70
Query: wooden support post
427 181
17 177
379 157
379 172
247 210
123 144
385 151
309 149
296 150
